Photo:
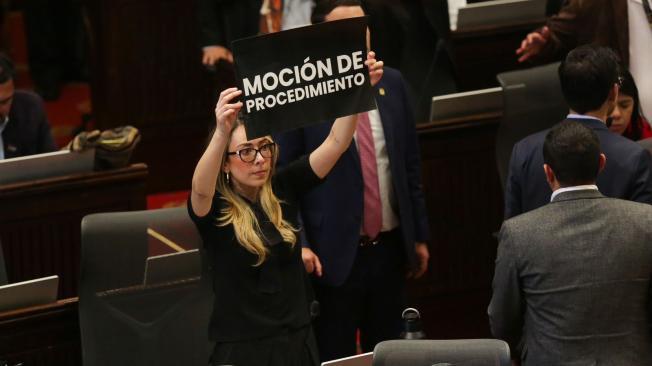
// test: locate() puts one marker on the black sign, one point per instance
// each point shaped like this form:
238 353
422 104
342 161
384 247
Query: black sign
303 76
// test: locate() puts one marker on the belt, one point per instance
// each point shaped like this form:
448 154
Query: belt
366 241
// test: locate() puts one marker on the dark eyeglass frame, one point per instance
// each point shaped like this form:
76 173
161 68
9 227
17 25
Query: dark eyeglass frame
269 148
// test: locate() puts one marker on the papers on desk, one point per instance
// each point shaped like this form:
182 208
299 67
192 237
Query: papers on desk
493 13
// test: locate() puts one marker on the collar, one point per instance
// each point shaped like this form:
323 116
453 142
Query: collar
4 124
588 187
589 121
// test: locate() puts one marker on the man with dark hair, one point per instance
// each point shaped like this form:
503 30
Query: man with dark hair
365 227
589 80
572 279
24 129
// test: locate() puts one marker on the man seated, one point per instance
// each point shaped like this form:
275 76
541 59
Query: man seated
24 128
572 279
589 79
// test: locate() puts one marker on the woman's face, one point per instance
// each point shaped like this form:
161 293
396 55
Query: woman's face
248 176
622 114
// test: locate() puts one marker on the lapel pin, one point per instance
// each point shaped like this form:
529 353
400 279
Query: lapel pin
381 91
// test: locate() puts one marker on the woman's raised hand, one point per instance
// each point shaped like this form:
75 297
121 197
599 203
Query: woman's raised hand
375 68
226 111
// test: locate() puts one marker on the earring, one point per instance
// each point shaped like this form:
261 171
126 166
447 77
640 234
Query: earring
228 178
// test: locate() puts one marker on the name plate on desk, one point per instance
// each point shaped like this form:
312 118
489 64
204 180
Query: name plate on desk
499 12
39 291
445 108
48 165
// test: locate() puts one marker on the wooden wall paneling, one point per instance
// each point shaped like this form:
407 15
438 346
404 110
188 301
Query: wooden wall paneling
464 202
147 72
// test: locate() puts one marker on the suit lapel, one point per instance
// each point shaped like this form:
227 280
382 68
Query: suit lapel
382 100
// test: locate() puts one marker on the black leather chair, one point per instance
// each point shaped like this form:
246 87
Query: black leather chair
533 102
3 270
462 352
127 322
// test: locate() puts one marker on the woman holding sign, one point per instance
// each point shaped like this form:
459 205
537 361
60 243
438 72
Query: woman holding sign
246 213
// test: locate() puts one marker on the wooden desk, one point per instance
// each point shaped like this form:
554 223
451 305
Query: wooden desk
465 205
481 53
40 221
42 335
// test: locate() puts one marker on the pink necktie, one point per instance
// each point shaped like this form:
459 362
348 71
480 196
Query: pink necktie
372 215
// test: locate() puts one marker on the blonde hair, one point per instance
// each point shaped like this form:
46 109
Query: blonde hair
239 213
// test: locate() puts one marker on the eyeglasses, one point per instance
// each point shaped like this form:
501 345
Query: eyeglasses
248 154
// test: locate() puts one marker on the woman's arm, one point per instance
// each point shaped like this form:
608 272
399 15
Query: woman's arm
323 159
210 164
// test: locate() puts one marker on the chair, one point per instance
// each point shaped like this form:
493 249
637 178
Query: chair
3 269
461 352
646 143
533 102
124 321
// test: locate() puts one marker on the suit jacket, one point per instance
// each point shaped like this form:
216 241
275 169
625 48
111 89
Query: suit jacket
627 175
332 212
579 22
28 130
572 281
223 21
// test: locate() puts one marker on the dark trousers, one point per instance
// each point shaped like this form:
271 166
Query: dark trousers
371 300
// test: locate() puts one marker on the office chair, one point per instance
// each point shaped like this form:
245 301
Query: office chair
460 352
124 321
533 102
3 269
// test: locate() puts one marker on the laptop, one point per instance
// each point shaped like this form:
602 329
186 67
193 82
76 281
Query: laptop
172 267
19 295
500 12
48 165
364 359
465 104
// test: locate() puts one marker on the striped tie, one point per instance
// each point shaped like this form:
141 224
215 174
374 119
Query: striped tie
372 214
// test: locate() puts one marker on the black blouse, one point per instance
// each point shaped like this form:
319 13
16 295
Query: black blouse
267 300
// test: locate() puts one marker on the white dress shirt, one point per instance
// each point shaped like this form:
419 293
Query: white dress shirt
573 188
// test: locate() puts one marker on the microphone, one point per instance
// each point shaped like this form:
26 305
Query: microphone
412 324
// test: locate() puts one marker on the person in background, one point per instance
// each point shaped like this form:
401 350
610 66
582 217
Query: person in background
24 128
589 77
366 226
626 119
625 26
572 279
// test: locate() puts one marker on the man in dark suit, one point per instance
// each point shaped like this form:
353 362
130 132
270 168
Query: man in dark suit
572 279
589 82
24 128
365 248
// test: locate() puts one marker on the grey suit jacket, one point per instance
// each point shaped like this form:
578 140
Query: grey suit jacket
572 282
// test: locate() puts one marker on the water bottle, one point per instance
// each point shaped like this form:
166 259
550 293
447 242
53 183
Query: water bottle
412 324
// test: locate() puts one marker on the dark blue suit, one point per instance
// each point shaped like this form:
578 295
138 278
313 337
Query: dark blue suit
332 215
627 174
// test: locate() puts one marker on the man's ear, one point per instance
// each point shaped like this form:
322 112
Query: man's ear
550 174
602 162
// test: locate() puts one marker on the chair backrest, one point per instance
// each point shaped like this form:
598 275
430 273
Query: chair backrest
533 102
460 352
3 269
646 143
126 322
